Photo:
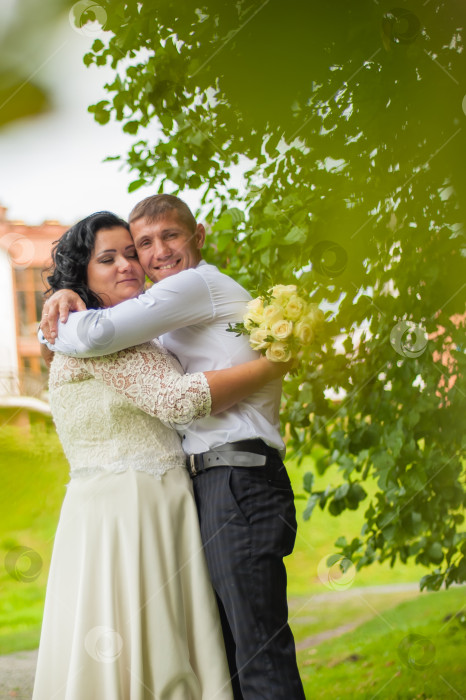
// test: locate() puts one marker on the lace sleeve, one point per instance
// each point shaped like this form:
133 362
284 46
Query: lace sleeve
148 376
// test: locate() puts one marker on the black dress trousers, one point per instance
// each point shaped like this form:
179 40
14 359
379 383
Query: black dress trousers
248 524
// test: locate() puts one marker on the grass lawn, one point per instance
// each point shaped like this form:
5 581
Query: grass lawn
33 474
413 650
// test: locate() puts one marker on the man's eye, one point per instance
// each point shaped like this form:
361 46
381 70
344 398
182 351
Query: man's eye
143 244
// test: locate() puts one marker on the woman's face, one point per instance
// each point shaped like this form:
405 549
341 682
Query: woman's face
114 272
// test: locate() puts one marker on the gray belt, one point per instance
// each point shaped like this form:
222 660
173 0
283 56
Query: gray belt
230 455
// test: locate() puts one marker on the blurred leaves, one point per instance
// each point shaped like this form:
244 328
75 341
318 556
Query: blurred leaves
20 98
25 30
350 120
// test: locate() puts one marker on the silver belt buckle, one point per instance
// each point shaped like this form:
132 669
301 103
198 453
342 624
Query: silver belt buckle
192 465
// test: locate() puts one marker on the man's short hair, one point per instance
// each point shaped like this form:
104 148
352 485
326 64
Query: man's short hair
159 205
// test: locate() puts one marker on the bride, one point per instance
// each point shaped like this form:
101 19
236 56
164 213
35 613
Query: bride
129 612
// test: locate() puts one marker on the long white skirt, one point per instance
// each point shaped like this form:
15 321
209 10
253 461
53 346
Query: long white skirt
130 613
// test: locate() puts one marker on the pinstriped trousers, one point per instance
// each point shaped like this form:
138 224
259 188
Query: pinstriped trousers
248 524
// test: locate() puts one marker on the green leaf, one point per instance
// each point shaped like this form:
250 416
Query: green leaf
333 559
341 491
263 238
131 127
308 481
271 210
336 507
136 184
296 235
313 499
394 441
223 240
225 222
435 553
382 461
356 493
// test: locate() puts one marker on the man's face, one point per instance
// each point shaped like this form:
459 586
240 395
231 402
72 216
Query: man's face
166 246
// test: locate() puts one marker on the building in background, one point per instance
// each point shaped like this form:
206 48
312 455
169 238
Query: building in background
24 253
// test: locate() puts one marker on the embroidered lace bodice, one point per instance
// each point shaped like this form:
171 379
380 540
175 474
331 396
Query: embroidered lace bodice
115 412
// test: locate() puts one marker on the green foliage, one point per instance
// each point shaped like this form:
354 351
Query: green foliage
352 118
22 49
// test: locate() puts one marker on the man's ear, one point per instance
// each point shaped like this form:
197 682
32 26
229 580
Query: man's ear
200 236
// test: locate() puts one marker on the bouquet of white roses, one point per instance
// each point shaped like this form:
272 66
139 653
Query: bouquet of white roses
280 323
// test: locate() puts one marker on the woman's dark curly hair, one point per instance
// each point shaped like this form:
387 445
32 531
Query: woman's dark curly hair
71 255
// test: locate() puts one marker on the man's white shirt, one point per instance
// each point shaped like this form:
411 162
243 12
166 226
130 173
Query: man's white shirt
189 313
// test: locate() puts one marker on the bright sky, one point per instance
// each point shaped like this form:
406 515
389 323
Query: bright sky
51 166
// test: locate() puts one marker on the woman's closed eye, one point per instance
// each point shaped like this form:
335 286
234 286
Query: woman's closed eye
128 256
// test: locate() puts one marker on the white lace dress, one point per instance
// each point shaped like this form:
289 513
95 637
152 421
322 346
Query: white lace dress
130 613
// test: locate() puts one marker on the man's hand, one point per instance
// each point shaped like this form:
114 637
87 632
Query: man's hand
277 369
58 306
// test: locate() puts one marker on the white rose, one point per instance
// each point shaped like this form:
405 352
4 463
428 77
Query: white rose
295 307
257 339
272 313
255 305
252 319
283 290
278 352
281 329
303 332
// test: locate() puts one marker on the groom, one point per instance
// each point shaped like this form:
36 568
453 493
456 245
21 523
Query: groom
243 493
